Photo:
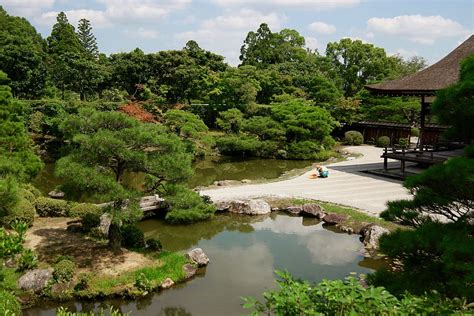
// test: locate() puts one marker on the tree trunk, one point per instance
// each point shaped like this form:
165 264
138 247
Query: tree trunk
115 237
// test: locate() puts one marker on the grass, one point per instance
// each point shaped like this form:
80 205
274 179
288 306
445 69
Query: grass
357 218
8 278
168 265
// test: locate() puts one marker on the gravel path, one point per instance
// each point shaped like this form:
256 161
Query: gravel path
345 185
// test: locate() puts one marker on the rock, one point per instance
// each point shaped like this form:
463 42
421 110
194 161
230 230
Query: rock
275 209
105 221
56 194
346 229
250 207
371 234
198 256
35 280
189 270
222 206
246 181
167 283
294 210
333 219
222 183
314 210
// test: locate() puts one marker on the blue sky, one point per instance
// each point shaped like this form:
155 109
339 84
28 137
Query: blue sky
419 27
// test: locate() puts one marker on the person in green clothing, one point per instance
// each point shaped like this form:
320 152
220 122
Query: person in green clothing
322 171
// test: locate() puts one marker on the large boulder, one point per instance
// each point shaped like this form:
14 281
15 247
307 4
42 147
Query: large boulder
105 221
334 219
222 206
198 256
294 210
250 207
35 280
314 210
371 234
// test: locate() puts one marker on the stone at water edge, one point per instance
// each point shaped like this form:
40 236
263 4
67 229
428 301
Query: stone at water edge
35 280
294 210
56 194
250 207
333 219
222 206
198 256
246 181
371 234
105 221
189 270
315 210
167 283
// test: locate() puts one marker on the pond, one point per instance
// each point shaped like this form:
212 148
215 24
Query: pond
206 171
244 252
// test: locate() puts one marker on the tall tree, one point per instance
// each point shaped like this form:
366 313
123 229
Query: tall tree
22 56
87 38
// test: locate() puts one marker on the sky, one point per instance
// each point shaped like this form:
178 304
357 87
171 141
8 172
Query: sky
427 28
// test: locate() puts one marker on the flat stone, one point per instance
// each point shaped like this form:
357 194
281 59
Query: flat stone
189 270
198 256
222 206
333 219
294 210
346 229
35 280
315 210
246 181
250 207
167 283
56 194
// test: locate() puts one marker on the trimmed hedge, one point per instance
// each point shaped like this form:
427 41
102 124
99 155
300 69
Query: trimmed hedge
353 138
47 207
23 211
382 141
81 209
64 270
132 237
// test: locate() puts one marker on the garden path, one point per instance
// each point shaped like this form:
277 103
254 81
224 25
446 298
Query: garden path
347 184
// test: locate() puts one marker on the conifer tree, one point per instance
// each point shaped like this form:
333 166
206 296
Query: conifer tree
87 38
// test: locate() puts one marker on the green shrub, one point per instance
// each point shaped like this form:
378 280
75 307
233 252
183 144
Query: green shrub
47 207
64 270
132 237
11 243
237 145
154 244
22 211
90 221
469 151
80 209
404 142
186 206
383 141
324 155
142 283
9 306
415 132
303 150
28 260
83 282
346 297
353 138
28 195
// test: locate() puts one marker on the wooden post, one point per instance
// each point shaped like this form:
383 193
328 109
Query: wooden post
385 160
423 113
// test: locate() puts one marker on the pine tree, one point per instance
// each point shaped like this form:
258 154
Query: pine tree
87 38
63 38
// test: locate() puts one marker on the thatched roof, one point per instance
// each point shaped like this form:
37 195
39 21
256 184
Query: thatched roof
427 81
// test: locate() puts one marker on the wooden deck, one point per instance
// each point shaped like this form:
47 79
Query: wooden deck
425 157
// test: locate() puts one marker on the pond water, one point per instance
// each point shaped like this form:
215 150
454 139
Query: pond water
244 252
206 171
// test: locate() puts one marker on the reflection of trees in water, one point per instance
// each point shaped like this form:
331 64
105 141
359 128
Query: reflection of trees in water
174 311
180 237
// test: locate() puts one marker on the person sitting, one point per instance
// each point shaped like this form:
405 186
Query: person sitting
323 172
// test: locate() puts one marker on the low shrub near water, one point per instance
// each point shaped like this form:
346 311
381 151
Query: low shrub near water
346 297
81 209
9 306
382 141
23 211
353 138
64 270
154 244
47 207
132 237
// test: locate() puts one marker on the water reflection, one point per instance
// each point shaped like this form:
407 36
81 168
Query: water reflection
244 253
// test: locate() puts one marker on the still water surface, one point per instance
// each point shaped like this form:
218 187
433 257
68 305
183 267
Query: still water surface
244 252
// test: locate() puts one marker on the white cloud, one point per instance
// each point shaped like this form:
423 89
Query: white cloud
146 33
313 43
312 4
225 34
417 28
118 11
405 53
322 28
26 7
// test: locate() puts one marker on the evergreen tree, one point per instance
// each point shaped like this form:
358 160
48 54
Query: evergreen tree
87 38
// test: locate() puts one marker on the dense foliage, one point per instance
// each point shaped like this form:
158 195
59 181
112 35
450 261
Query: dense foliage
346 297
